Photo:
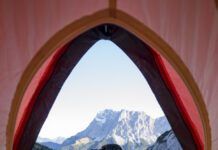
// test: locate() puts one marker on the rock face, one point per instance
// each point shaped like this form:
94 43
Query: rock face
132 130
166 141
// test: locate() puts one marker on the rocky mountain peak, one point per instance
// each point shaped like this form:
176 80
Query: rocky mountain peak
130 129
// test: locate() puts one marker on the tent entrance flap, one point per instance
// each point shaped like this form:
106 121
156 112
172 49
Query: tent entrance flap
139 52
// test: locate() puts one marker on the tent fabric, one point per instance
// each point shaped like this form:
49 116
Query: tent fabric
142 56
190 115
185 98
188 27
33 90
24 29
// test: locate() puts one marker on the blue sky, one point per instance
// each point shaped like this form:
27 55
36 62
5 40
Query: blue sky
105 78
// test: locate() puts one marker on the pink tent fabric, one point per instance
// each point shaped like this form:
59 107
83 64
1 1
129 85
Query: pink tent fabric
188 27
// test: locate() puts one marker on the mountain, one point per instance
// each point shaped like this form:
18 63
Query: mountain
51 143
130 129
38 146
166 141
58 140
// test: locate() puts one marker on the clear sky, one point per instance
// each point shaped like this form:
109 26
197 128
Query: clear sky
105 78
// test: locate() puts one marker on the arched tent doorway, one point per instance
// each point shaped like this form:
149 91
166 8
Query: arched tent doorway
106 16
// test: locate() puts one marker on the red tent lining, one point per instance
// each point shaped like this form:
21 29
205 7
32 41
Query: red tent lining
46 71
195 132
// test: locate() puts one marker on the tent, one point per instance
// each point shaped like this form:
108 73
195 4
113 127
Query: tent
173 43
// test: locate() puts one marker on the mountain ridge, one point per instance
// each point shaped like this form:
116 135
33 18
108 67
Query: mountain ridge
130 129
